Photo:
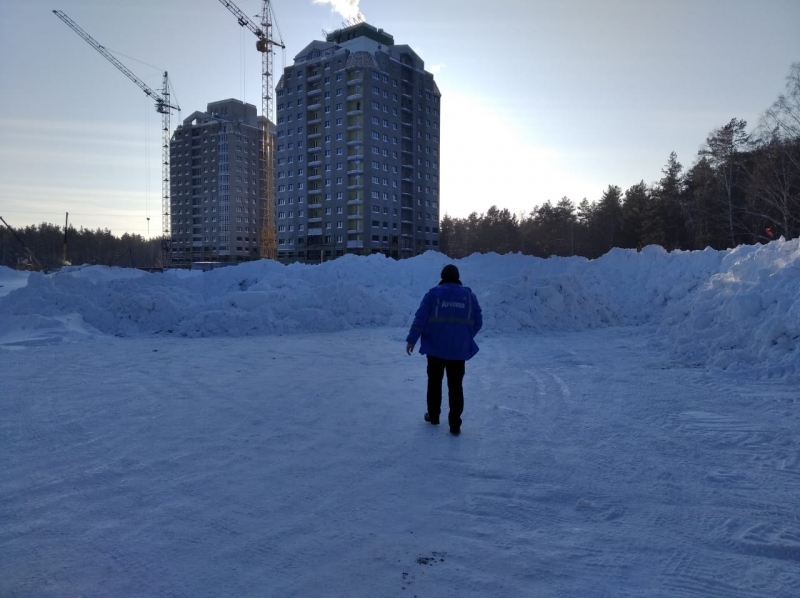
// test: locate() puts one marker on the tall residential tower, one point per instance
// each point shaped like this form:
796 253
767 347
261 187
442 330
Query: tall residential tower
215 180
357 150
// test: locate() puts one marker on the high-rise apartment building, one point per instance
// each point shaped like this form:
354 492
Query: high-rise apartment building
357 149
215 179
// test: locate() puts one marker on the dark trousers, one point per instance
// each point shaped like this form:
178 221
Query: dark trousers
455 375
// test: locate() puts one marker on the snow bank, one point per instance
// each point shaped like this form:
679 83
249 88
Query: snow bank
746 316
731 309
11 279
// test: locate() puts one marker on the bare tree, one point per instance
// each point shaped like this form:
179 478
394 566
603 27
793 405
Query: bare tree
724 151
783 117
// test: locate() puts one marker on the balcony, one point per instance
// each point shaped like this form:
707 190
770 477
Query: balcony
355 244
314 232
314 121
316 219
355 216
314 191
316 104
315 177
355 202
314 148
353 231
315 163
355 81
355 112
313 78
315 135
314 91
357 95
358 141
355 156
314 205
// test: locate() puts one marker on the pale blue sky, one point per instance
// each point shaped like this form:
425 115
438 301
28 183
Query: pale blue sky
541 99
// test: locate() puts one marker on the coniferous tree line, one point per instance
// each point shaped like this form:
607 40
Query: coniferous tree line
742 188
84 246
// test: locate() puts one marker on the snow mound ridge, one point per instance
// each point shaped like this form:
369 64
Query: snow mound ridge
736 308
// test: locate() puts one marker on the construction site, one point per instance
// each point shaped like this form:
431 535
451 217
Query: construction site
238 186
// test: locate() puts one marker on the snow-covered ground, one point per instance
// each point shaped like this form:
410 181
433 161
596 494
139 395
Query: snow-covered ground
631 429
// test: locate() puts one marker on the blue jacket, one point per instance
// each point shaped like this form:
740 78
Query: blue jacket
448 319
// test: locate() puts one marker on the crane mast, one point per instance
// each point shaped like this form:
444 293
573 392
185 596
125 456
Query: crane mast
163 107
265 43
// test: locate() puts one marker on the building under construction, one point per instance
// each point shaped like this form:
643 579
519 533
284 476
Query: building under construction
217 205
357 149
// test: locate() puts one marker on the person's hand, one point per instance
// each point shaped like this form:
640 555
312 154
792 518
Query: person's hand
410 348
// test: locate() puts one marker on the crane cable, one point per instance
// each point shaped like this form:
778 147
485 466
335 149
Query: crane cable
147 167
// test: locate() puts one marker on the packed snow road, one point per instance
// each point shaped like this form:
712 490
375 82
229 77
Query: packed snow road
589 465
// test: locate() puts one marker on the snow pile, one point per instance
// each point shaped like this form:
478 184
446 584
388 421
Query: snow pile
734 309
747 316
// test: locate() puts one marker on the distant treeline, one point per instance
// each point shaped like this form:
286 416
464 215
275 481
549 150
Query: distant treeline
743 188
84 246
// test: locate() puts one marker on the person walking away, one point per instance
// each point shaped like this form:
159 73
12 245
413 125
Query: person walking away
447 321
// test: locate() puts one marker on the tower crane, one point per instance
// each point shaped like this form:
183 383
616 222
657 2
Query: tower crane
163 107
265 43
